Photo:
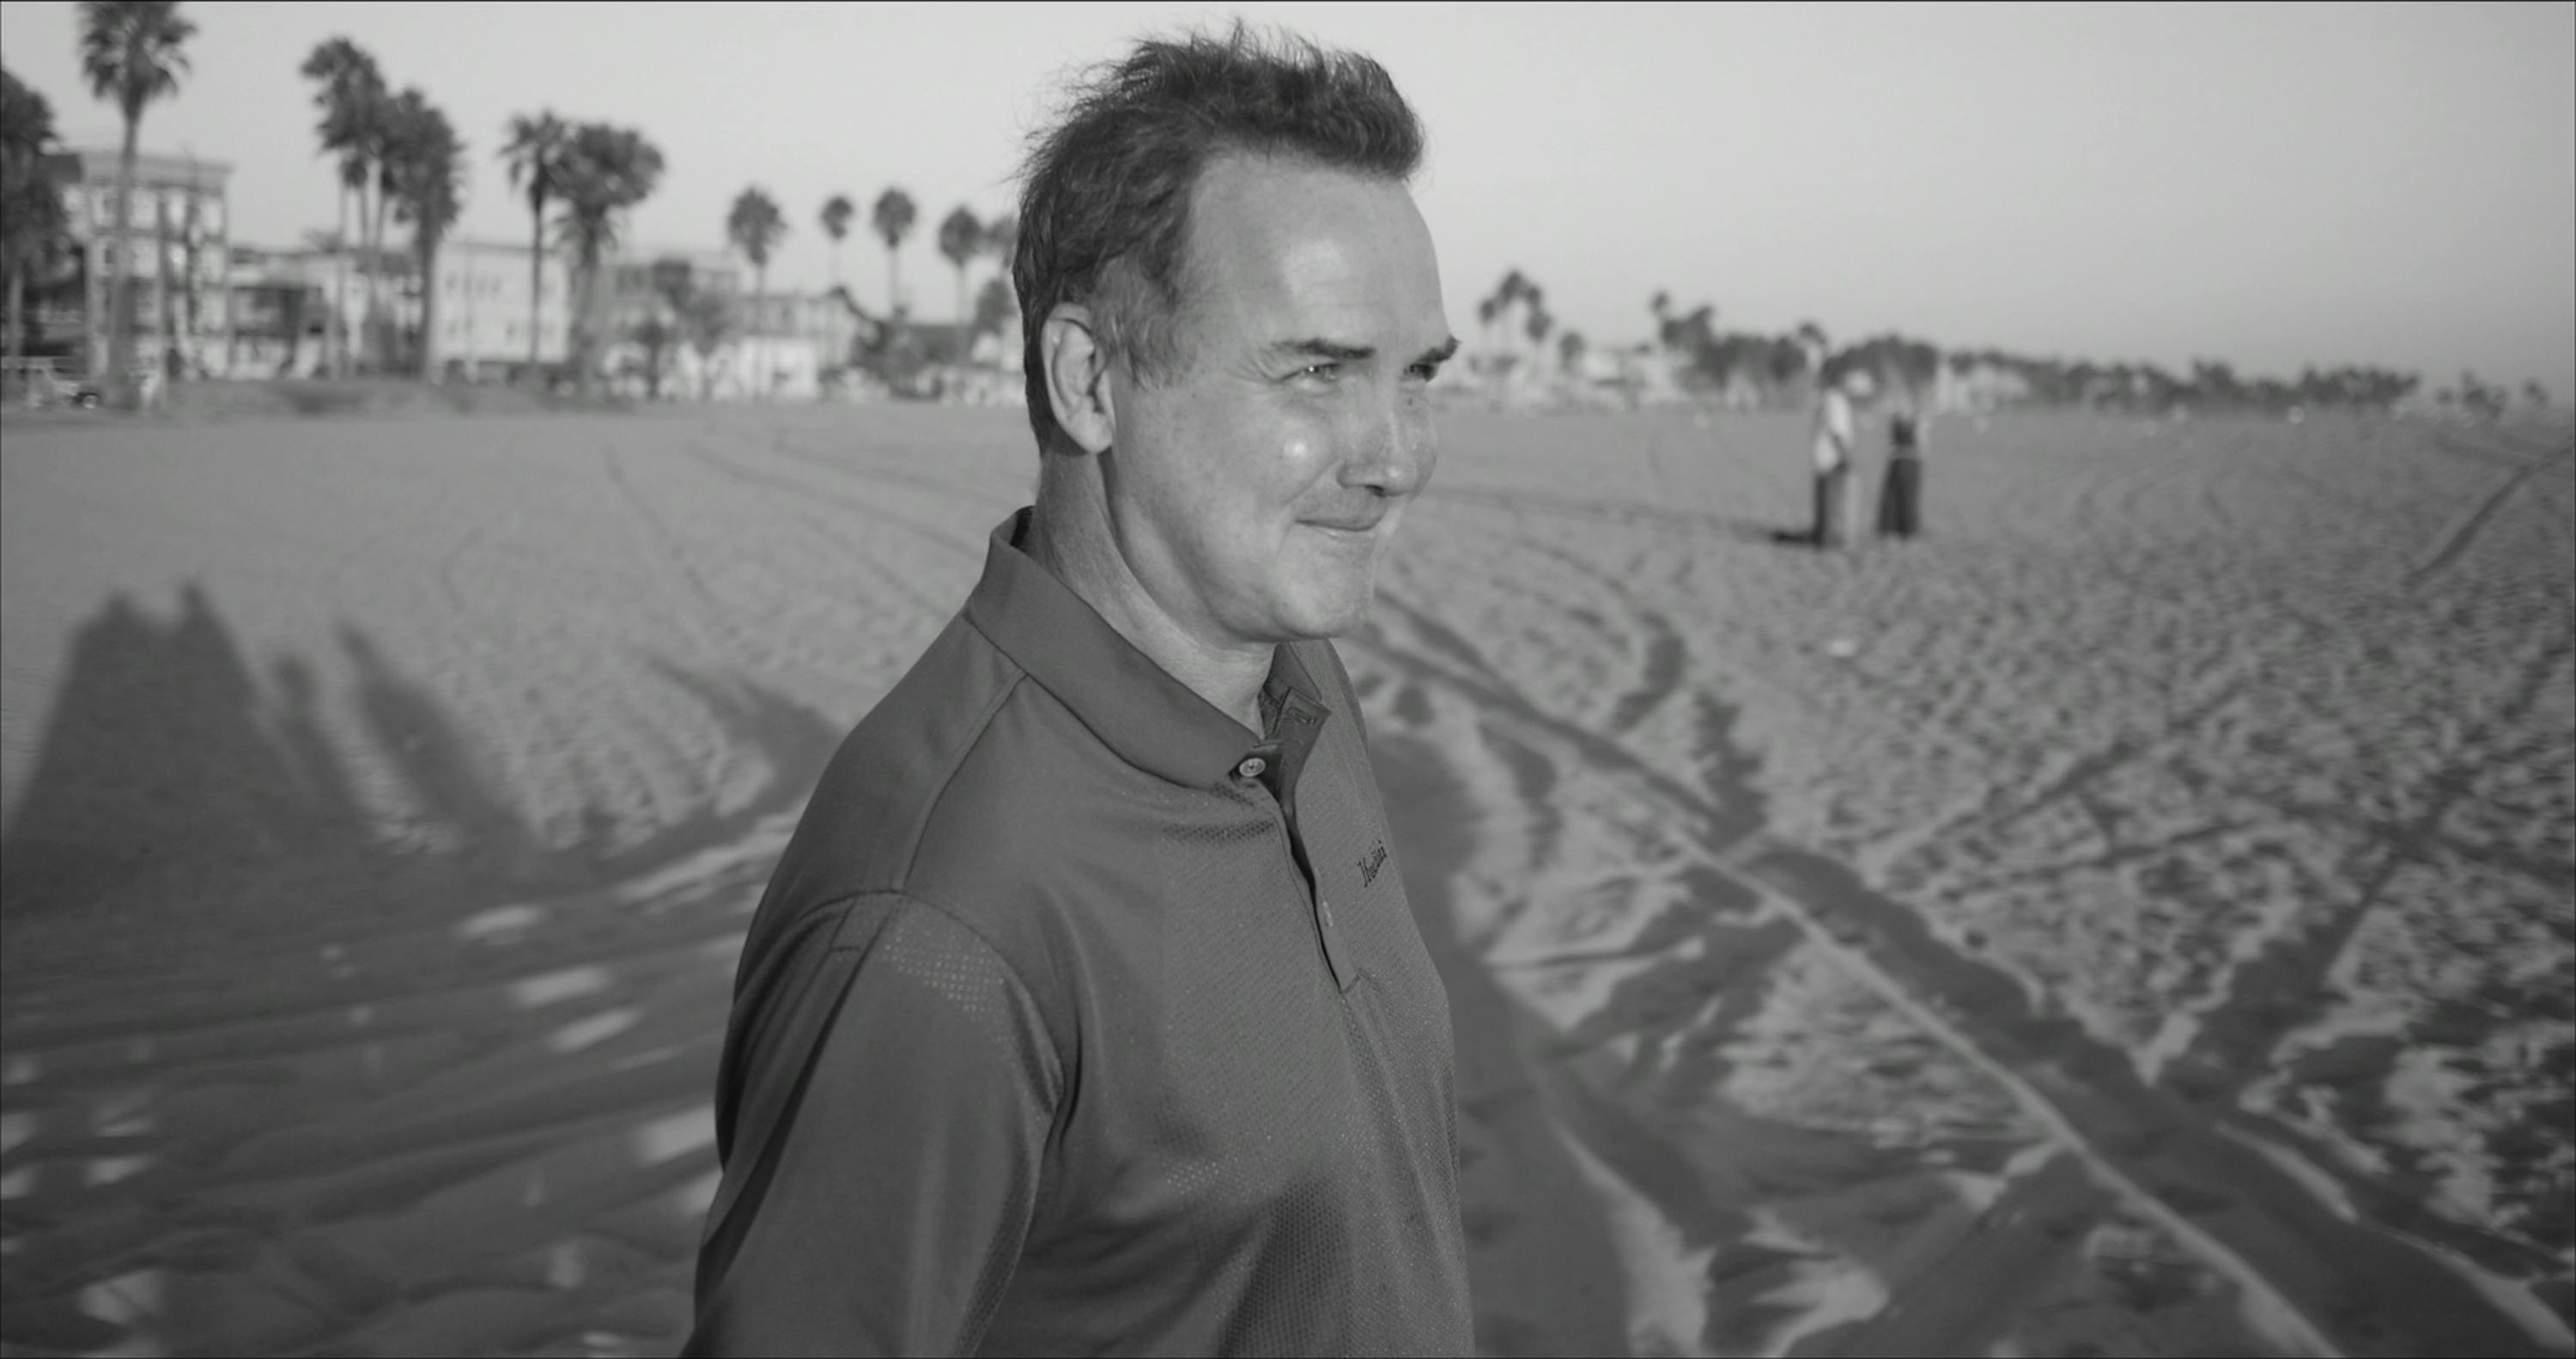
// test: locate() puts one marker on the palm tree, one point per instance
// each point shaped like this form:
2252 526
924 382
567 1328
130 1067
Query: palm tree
960 238
351 98
1514 288
535 151
130 50
755 227
706 318
1539 324
426 165
893 218
1569 349
837 212
33 229
607 170
1002 239
994 307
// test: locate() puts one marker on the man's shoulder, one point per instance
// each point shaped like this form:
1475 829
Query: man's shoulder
863 828
967 787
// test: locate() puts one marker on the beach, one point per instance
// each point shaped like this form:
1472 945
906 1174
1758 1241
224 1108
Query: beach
2138 917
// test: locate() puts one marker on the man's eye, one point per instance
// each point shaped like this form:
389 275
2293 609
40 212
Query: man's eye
1423 372
1320 372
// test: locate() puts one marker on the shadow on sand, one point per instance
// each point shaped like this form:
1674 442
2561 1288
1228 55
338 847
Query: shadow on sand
217 1143
173 777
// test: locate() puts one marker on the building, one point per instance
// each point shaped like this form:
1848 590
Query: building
483 304
831 320
284 299
281 315
287 298
1977 385
638 281
779 346
179 254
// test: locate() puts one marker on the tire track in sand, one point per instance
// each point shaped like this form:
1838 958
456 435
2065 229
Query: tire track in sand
2322 1275
2452 543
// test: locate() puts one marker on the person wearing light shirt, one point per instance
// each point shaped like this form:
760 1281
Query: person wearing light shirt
1835 427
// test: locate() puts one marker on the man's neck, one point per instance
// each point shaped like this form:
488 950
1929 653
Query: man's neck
1074 544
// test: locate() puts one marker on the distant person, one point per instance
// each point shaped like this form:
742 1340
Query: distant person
1900 495
1085 1012
1835 431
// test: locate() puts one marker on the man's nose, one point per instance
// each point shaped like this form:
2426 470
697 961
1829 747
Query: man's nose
1393 455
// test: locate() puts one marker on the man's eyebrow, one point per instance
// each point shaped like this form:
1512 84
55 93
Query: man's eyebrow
1316 347
1319 348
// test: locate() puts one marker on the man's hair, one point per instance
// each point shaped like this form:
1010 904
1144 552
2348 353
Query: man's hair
1105 194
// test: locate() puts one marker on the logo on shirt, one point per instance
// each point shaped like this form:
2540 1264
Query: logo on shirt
1370 865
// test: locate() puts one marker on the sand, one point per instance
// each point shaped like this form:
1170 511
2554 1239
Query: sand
2135 918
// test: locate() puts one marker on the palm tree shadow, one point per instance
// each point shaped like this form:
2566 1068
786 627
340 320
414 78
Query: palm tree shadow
164 774
210 929
172 784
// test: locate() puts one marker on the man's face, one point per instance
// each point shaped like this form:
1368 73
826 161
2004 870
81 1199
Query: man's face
1254 486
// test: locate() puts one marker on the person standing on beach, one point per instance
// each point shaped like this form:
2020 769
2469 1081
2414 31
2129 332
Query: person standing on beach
1835 431
1085 1012
1900 496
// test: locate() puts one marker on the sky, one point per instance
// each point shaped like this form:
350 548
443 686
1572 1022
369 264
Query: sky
2273 185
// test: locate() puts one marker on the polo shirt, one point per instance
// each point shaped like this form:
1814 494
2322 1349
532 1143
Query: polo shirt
1078 1018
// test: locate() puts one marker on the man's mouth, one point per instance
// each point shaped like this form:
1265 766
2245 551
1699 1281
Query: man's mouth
1358 523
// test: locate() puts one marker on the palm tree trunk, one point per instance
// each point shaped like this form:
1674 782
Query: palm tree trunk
17 315
294 331
120 293
161 310
536 280
894 284
760 285
579 348
335 330
429 369
375 319
357 340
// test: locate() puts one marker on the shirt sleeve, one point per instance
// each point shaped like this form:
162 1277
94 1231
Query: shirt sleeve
892 1110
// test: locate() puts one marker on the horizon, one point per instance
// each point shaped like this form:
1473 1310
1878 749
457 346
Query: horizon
2255 185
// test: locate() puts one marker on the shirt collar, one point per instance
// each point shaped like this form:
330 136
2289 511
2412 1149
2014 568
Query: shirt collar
1132 704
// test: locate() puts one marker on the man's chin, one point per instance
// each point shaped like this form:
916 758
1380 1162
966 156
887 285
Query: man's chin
1336 615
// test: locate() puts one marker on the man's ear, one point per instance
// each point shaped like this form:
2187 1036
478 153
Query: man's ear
1077 377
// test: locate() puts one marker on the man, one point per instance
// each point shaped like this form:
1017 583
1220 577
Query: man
1085 1011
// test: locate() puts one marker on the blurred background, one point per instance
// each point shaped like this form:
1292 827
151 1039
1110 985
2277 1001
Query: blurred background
464 466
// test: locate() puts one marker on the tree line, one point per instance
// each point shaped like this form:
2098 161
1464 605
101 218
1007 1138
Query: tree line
399 158
1785 368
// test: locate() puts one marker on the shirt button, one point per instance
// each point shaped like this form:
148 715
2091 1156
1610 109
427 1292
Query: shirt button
1251 768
